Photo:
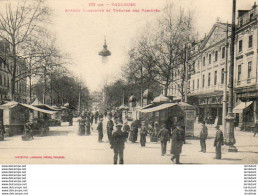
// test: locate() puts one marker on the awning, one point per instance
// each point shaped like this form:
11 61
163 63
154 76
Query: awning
13 104
158 108
38 109
240 107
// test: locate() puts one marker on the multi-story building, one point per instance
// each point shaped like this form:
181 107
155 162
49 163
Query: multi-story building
205 87
246 68
5 77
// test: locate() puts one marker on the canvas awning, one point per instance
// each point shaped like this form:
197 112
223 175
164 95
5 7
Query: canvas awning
158 108
240 107
13 104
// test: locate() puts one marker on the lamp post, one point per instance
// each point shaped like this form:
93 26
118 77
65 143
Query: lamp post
229 130
224 112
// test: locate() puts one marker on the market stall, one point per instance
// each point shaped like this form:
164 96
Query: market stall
16 115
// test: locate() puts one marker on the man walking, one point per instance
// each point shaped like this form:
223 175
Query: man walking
100 130
203 137
110 126
143 134
177 143
87 125
164 138
218 142
118 144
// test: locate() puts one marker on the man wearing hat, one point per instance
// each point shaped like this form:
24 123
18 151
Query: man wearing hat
118 144
177 143
100 130
203 137
164 138
110 125
143 133
218 142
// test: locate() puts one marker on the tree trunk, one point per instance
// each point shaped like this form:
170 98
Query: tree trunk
13 73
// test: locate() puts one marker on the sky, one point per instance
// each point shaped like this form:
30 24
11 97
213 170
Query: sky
81 34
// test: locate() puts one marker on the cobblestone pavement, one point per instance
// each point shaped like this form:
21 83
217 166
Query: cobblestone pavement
64 146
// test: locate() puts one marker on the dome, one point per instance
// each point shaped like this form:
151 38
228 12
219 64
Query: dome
161 99
132 98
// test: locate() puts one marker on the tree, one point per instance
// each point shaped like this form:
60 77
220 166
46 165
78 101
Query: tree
18 24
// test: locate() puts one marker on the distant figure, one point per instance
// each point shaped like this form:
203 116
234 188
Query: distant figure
105 113
255 128
96 115
28 134
2 131
126 129
70 117
118 144
143 133
218 142
100 115
177 143
91 118
81 126
164 138
100 130
110 126
87 125
203 137
134 131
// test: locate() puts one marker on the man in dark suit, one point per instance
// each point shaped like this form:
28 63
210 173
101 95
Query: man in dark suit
118 144
177 143
218 142
164 138
100 130
203 137
110 126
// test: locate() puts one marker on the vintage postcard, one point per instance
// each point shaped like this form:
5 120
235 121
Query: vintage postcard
128 82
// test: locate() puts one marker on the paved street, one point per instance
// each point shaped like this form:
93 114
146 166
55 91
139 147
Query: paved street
64 146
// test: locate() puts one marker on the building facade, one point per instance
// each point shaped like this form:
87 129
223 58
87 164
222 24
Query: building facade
207 81
5 77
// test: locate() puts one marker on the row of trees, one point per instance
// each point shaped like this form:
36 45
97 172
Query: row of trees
29 51
156 55
162 50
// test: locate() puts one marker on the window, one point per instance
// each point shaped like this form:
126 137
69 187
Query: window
209 58
223 53
203 61
250 41
216 56
222 76
239 73
240 46
203 81
249 69
215 77
209 79
193 84
197 83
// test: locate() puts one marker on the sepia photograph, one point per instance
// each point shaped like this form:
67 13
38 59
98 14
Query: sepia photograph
128 82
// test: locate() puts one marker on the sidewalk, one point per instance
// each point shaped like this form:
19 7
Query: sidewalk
64 141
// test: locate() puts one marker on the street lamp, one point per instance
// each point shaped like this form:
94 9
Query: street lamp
229 130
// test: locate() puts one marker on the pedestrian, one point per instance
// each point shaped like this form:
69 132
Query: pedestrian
28 135
134 131
96 115
110 126
143 133
2 131
70 117
164 138
118 144
100 130
81 125
177 143
126 130
203 137
218 142
255 128
87 125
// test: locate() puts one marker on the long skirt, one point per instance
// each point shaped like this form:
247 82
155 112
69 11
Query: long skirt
81 130
87 130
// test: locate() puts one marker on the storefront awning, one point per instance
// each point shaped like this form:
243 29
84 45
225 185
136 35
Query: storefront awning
240 107
158 108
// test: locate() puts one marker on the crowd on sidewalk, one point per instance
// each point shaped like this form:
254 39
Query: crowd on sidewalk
119 132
